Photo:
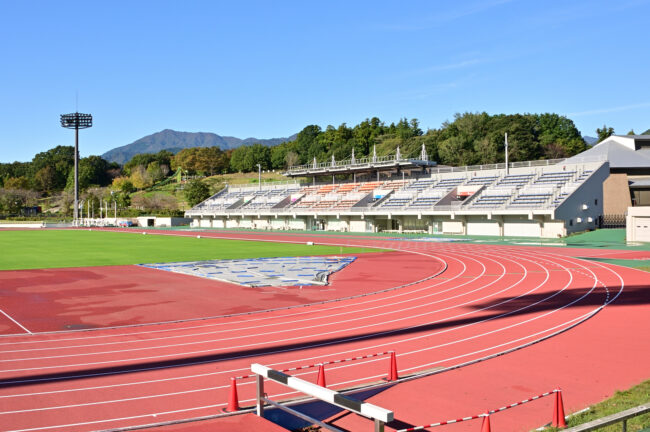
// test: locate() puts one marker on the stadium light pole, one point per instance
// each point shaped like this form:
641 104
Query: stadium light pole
259 176
76 121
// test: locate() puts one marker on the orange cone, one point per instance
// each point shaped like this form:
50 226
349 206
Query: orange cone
233 400
558 411
392 373
321 376
485 427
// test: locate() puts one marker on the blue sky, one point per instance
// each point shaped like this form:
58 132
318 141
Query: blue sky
267 69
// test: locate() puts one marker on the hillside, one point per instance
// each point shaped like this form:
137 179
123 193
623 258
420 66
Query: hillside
175 141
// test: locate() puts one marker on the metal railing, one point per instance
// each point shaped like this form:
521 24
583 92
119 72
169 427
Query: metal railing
390 159
621 417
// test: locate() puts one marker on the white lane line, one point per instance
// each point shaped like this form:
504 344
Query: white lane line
15 322
204 351
258 326
89 336
608 269
328 322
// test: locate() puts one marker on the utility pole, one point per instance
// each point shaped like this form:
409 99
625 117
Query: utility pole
507 168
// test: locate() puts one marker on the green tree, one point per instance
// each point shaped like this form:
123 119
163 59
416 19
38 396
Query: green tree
163 157
93 170
45 179
196 191
279 155
154 171
60 159
237 163
604 132
123 184
17 183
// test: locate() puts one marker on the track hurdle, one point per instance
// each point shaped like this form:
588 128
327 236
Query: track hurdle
233 402
379 415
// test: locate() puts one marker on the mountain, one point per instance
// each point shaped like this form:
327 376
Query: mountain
175 141
590 140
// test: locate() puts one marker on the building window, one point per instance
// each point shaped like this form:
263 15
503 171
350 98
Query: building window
570 222
596 201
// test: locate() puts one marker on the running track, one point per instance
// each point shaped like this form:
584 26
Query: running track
488 300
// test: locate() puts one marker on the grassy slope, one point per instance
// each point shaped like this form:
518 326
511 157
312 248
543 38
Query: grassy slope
621 401
72 248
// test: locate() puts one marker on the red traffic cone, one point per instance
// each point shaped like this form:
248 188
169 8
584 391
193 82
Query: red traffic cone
321 376
392 372
558 411
485 427
233 400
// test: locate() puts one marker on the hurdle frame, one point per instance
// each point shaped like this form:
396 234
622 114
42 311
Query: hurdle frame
379 415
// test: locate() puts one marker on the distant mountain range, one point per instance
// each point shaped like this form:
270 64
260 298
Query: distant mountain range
590 140
175 141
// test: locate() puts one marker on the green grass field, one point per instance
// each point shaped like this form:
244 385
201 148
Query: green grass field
76 248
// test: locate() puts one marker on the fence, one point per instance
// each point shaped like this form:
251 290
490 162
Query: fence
557 421
613 221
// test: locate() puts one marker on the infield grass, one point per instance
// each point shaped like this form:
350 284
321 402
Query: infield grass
36 249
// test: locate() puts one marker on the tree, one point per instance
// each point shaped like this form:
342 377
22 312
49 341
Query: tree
196 191
16 183
154 172
291 159
12 201
605 132
140 178
163 157
631 132
60 159
123 184
45 179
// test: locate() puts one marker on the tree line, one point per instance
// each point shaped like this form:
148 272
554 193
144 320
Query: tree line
470 139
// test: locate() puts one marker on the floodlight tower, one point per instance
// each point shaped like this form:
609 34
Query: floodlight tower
76 121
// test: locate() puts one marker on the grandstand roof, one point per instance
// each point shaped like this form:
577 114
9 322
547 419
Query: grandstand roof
619 154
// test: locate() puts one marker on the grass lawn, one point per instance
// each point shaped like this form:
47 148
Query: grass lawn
78 248
622 400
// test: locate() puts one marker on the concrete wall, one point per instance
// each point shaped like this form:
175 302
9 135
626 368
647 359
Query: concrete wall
553 229
357 225
583 208
278 224
477 225
453 227
297 224
616 194
521 226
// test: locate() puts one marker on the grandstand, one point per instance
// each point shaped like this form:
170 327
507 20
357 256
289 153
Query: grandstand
533 199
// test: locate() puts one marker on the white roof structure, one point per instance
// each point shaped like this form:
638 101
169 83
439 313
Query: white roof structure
622 151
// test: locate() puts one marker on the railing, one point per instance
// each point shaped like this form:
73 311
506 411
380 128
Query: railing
621 417
265 185
348 163
386 159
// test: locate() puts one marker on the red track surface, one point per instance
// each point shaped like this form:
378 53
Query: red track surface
489 299
95 297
